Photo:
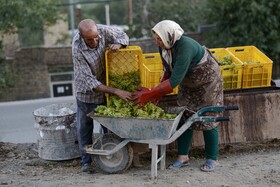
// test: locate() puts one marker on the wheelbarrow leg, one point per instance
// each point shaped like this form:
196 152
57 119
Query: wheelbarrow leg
154 148
163 157
155 159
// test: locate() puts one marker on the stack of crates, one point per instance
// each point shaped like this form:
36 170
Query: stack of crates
257 67
232 74
242 74
151 71
122 61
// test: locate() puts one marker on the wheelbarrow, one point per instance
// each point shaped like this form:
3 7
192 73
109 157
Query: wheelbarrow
112 152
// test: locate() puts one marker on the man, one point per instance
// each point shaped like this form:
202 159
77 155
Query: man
88 53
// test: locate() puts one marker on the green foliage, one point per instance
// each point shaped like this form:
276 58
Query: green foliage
146 13
242 23
252 62
135 31
176 10
225 61
128 81
119 108
25 17
118 12
19 14
7 77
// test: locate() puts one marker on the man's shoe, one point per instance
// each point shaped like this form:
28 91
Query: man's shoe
87 168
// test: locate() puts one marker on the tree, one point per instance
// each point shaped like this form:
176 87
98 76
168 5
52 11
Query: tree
179 11
25 17
242 22
146 13
118 12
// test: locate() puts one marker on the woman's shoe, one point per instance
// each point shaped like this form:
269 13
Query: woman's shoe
178 164
209 165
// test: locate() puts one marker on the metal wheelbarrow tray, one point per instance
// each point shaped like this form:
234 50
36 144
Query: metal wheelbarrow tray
114 156
139 128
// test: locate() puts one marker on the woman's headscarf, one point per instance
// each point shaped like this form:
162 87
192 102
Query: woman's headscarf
169 32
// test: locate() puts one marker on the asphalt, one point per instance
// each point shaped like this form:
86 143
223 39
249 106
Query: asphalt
17 119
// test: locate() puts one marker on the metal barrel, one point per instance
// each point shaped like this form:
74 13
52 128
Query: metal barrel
56 131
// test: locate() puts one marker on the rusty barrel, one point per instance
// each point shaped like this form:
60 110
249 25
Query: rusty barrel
56 131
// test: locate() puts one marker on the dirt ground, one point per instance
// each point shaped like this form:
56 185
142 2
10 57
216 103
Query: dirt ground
248 164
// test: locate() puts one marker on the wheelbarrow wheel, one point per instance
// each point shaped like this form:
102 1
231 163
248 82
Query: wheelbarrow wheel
116 163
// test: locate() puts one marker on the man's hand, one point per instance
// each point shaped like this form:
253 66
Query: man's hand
114 47
127 96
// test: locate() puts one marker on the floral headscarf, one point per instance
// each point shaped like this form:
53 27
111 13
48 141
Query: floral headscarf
169 32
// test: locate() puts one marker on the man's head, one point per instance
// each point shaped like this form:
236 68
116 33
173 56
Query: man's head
88 31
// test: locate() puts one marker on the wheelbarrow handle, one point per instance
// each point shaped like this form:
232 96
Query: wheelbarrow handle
211 118
231 108
223 118
216 109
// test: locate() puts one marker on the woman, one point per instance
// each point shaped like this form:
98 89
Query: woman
192 67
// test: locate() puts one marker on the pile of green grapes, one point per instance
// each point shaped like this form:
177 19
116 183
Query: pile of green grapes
120 108
226 61
252 62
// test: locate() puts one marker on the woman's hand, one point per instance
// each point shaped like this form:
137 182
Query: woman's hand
153 94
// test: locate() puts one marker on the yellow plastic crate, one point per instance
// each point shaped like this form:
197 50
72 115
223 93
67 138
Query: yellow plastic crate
151 71
254 75
122 61
232 74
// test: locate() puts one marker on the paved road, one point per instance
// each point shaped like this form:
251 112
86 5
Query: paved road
17 120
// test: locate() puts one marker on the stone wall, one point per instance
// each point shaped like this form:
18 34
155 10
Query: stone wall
31 68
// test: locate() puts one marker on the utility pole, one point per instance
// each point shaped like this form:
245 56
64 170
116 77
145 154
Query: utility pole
72 21
79 13
130 16
107 13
